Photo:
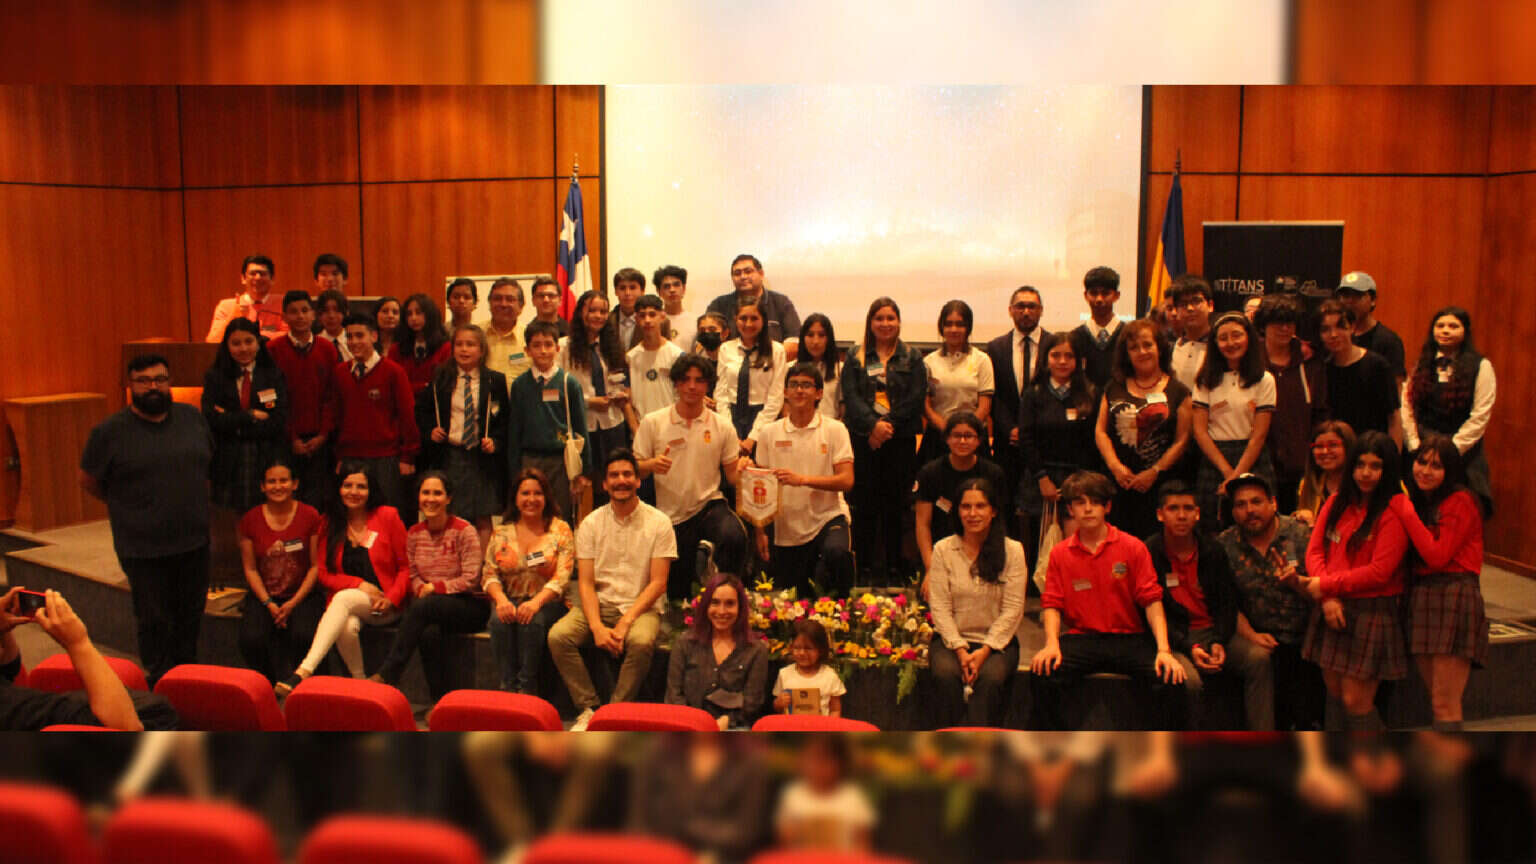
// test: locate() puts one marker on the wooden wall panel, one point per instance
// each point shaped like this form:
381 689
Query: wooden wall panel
1418 237
578 130
291 225
1202 122
248 136
1504 326
106 261
1512 146
1352 130
102 136
1328 47
417 233
1210 198
445 133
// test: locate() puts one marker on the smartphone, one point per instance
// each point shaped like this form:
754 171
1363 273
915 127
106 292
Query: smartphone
28 603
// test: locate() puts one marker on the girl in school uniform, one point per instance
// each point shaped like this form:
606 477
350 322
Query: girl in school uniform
1331 442
387 316
1451 392
1057 416
750 378
1448 630
1354 567
421 341
245 402
959 379
592 355
1234 403
463 416
818 345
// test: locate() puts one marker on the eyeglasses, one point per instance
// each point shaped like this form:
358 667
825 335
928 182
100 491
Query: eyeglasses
150 381
1026 306
963 436
800 385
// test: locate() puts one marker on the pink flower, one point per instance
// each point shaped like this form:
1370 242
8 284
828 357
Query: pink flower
909 654
774 615
901 600
843 615
688 620
885 649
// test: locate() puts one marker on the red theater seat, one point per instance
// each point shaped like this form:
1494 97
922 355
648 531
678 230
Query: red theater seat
76 727
492 710
58 675
605 849
326 703
651 717
787 857
811 723
387 840
221 699
177 831
42 825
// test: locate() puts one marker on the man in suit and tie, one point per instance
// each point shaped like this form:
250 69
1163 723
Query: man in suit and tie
1015 357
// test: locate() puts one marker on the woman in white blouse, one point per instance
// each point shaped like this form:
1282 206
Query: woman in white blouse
818 345
593 356
1234 402
750 381
1451 391
976 584
959 379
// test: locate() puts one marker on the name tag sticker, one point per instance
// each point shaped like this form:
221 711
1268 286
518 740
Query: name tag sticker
615 377
677 443
515 356
1156 398
783 443
1218 406
1071 415
550 395
534 559
267 396
1173 581
293 546
942 504
369 538
1081 585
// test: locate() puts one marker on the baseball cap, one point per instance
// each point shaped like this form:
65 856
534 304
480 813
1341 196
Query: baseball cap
1250 479
1356 280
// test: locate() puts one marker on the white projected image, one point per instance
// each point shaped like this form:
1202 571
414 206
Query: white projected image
845 194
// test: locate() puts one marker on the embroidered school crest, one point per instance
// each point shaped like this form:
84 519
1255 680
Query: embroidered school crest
375 394
1120 569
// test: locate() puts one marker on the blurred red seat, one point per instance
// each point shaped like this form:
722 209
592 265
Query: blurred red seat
790 857
811 723
326 703
221 699
58 675
492 710
386 840
42 825
178 831
605 849
76 727
651 717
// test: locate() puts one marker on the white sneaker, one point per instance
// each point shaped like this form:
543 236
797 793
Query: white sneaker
582 720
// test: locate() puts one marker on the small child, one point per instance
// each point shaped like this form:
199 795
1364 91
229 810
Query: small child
810 648
823 808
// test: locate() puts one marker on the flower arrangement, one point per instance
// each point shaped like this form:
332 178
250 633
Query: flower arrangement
868 631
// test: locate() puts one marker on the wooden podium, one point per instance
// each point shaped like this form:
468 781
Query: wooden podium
50 435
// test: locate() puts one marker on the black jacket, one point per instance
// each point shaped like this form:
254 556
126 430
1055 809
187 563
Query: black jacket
1006 395
234 427
435 402
1216 583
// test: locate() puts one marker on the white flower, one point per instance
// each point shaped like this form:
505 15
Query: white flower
911 625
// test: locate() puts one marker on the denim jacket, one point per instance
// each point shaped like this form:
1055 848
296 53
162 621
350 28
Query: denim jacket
906 383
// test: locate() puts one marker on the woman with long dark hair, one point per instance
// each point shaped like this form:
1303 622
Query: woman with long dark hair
421 341
1234 403
719 664
884 385
363 566
527 569
1451 392
750 382
976 587
245 402
278 542
593 356
959 379
1057 416
1355 572
1331 442
387 315
818 345
1448 630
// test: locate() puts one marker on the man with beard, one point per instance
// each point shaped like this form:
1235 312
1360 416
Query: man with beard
1268 557
149 462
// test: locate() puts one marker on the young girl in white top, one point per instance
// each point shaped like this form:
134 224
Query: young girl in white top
1234 403
824 809
818 345
810 649
959 379
750 382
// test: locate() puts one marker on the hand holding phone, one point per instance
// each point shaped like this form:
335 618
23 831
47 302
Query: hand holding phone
29 602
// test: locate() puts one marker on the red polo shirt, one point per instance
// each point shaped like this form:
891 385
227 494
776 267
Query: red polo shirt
1103 591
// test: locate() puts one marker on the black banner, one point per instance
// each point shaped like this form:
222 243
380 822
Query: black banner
1251 259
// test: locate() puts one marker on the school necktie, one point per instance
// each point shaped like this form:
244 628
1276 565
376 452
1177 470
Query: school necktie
245 390
471 423
303 350
421 352
599 380
1103 339
358 369
744 379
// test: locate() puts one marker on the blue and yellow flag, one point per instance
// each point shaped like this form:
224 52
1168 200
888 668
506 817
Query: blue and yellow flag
1169 262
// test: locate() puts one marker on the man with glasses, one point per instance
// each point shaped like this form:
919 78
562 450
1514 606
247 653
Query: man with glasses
1192 298
780 320
1015 357
149 462
256 275
546 306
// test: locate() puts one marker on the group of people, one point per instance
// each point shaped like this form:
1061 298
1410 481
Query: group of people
369 455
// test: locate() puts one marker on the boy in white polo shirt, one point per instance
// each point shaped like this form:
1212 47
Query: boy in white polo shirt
813 459
650 362
687 448
623 550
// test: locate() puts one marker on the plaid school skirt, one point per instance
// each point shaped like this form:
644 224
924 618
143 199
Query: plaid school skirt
1445 616
1371 645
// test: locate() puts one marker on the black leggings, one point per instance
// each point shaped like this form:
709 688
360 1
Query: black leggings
720 526
827 561
443 613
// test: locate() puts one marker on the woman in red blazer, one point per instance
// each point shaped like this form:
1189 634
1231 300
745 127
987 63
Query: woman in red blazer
364 569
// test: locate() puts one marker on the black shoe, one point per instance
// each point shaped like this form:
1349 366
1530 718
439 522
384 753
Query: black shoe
285 686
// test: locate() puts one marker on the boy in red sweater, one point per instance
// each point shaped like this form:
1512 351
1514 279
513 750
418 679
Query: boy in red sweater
1099 582
306 363
377 421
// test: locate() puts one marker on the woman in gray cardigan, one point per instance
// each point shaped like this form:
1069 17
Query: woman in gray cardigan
719 665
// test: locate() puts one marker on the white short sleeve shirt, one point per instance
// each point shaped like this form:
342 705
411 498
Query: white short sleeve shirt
956 382
697 447
621 550
816 449
1232 406
650 377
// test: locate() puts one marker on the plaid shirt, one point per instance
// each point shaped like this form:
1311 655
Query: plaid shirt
1269 606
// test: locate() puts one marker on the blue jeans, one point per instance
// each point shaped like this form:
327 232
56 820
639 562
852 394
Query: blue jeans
522 674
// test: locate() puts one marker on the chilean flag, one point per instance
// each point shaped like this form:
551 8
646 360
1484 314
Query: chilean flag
572 269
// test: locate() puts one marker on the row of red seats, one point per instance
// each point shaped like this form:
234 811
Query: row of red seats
43 825
229 699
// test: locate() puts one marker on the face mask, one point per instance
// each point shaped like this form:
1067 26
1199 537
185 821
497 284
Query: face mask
152 402
710 340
